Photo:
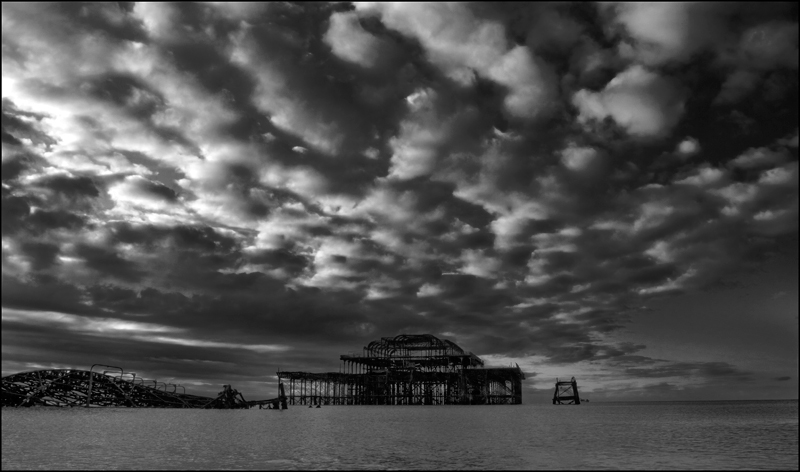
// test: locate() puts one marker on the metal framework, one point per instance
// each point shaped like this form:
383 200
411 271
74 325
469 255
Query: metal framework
566 393
87 388
418 369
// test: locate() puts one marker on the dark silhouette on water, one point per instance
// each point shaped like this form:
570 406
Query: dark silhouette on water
409 369
566 393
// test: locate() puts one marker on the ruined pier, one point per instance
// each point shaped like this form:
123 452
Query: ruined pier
418 369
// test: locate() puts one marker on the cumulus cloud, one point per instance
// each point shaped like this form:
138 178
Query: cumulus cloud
663 34
780 175
453 36
640 101
758 157
458 42
530 83
351 42
703 176
688 147
421 135
578 158
158 18
668 32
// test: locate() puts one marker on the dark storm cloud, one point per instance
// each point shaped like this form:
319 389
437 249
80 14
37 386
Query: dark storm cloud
17 125
70 187
14 211
516 177
17 163
26 295
42 221
41 255
125 91
202 239
108 262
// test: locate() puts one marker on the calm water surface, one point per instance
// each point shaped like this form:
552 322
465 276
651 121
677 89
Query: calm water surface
658 435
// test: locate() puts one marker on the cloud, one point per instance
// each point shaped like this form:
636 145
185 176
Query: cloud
458 42
770 44
755 158
137 189
640 101
669 32
578 158
688 147
737 85
703 176
779 175
551 28
428 290
157 18
462 41
664 34
351 42
789 141
762 47
531 83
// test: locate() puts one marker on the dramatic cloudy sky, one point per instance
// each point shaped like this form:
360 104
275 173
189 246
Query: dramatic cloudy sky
207 193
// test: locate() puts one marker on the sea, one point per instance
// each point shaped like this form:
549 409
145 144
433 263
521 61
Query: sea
622 435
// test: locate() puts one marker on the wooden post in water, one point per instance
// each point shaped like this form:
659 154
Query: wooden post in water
282 396
575 391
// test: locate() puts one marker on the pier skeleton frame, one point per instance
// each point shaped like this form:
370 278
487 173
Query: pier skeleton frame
416 369
566 393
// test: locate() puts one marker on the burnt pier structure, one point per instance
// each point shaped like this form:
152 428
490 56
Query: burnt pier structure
409 369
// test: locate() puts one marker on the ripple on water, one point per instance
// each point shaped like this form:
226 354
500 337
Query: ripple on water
685 435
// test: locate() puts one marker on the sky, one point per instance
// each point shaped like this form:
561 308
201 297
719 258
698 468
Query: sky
206 194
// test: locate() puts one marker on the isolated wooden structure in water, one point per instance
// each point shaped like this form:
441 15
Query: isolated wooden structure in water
418 369
566 393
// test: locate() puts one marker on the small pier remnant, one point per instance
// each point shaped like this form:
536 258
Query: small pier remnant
566 393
